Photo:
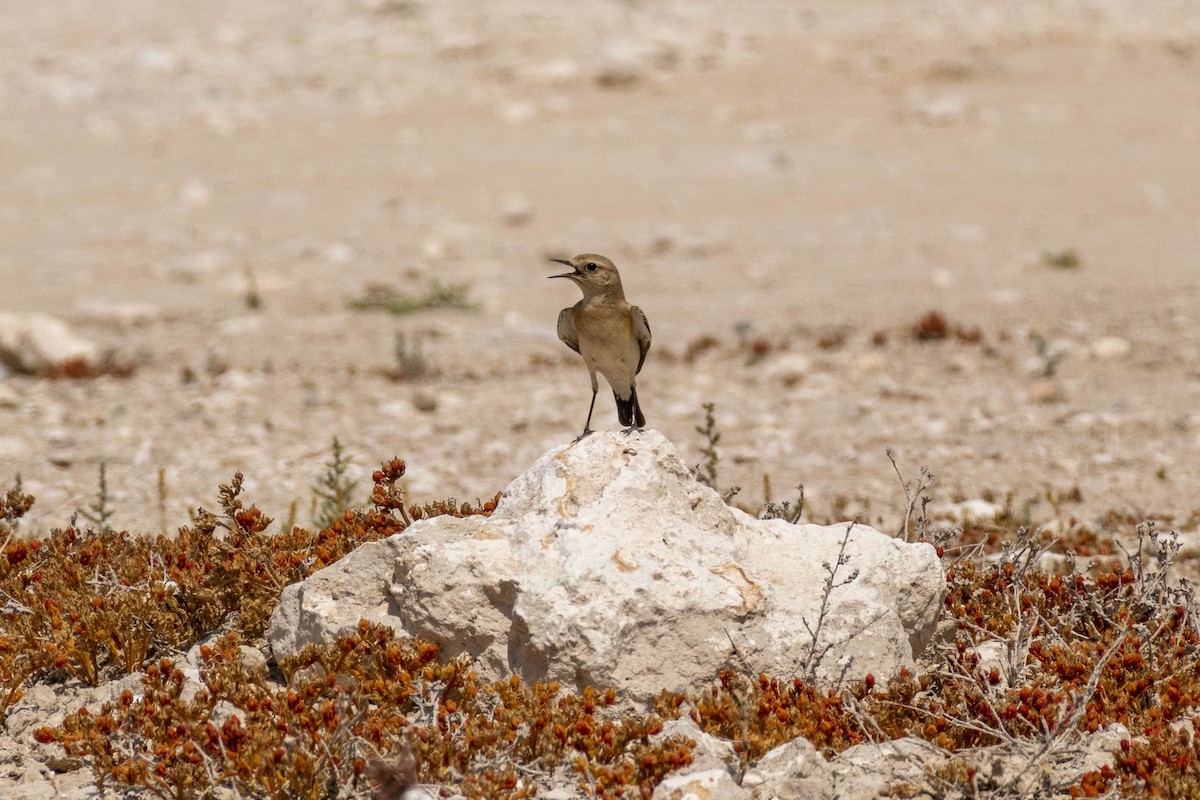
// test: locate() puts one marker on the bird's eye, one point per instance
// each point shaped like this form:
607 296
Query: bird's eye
591 267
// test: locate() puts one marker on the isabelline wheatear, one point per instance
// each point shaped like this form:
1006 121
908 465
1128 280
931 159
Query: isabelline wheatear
611 335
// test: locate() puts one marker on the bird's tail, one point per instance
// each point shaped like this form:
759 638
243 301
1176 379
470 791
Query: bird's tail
630 409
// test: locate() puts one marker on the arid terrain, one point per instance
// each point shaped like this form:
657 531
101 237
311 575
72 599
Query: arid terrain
203 189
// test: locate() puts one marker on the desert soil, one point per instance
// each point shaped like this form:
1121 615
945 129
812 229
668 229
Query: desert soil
800 181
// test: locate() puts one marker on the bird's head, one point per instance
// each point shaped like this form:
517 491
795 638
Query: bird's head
592 273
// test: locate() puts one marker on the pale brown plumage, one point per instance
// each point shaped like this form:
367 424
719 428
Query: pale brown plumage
612 336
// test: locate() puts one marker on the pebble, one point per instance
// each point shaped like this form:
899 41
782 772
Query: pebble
868 362
121 315
424 402
338 254
619 64
34 342
947 109
195 194
1046 390
515 210
198 266
8 397
157 59
553 73
1111 347
789 369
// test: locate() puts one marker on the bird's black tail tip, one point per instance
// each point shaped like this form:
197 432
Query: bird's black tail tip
629 411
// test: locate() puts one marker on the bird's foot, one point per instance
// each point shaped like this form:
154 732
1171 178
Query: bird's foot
631 429
580 437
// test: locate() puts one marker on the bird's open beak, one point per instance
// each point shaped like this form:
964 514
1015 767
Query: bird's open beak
570 274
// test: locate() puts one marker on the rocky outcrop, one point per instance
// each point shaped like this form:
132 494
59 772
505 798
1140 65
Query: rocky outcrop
32 343
608 564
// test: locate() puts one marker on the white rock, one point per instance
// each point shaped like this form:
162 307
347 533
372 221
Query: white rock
946 109
33 342
608 564
866 770
314 611
868 362
712 784
199 266
968 511
195 193
1046 390
995 654
560 72
1111 347
620 62
338 254
119 314
157 59
710 752
789 368
794 769
8 398
515 210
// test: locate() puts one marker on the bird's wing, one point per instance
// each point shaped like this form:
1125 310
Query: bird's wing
641 330
566 329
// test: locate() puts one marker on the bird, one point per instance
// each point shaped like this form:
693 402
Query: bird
612 336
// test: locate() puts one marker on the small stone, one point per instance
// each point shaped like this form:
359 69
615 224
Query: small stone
710 752
789 369
198 266
969 511
785 766
553 73
194 194
868 362
157 59
425 403
709 784
35 342
1111 347
515 113
8 397
942 278
1046 390
515 210
947 109
619 64
62 763
338 254
121 315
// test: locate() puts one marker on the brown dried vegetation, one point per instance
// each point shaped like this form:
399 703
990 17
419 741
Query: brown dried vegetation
1117 643
933 326
1120 645
345 707
89 604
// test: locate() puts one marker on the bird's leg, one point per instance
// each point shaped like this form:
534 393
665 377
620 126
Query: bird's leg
635 411
587 426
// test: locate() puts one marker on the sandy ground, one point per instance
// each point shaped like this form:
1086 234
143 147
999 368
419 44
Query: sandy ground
812 176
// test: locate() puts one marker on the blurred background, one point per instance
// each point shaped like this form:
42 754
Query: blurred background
969 231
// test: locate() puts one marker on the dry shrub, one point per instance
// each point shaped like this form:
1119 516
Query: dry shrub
761 714
80 368
345 707
89 604
934 326
1080 653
